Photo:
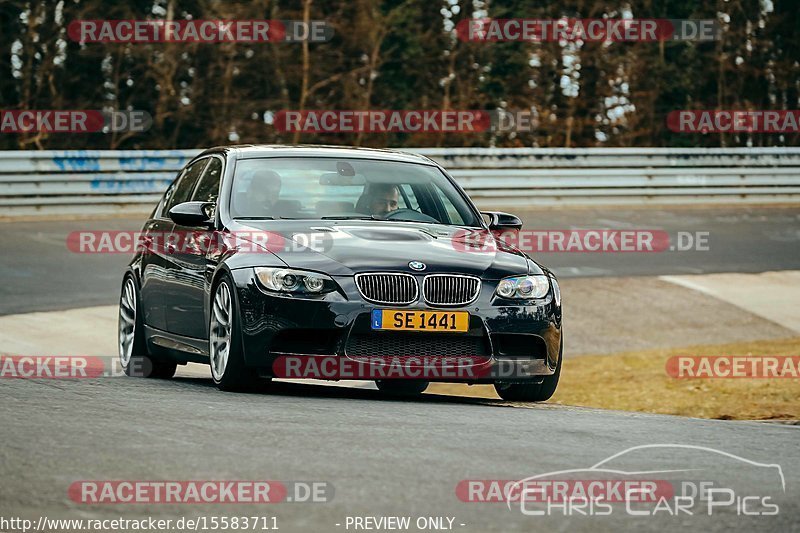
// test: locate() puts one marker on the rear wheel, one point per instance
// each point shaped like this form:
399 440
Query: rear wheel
224 342
402 387
532 392
133 355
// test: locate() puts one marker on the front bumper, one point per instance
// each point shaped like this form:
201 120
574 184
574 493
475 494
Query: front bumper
518 340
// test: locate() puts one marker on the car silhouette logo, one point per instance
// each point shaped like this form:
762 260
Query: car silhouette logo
416 265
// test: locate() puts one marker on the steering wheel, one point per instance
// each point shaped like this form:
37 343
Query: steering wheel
410 215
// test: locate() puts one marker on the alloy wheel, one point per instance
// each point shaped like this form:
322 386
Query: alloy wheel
127 322
220 330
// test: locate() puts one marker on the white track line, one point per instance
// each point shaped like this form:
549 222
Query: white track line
771 295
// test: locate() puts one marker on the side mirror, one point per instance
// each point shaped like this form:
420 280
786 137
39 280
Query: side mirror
502 221
193 214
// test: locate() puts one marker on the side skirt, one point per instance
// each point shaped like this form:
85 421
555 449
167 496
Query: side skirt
177 347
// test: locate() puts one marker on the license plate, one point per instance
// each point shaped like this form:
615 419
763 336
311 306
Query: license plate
420 320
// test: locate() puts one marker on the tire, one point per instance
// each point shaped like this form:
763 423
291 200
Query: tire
532 392
402 387
134 357
226 355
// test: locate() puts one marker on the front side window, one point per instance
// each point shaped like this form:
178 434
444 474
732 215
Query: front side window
320 188
452 211
409 196
208 188
186 183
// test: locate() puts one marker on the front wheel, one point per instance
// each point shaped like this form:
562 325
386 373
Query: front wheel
532 392
402 387
226 355
133 355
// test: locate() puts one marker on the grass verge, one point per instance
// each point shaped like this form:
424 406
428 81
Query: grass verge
637 381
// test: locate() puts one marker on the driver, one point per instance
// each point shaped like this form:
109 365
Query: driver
263 192
383 198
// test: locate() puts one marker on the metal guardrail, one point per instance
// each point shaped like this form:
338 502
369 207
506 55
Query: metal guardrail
518 177
86 181
95 182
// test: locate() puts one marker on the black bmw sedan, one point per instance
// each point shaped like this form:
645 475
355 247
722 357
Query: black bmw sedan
262 261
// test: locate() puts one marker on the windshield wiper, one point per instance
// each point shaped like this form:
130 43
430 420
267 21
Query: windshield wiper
437 223
351 217
265 218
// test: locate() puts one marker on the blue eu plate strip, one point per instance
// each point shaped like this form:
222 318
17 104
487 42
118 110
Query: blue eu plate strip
377 319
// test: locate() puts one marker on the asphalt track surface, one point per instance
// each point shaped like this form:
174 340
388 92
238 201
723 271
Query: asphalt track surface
39 273
382 456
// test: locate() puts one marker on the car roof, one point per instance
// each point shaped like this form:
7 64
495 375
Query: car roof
254 151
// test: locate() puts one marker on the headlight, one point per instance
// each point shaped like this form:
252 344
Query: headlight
556 293
297 281
523 287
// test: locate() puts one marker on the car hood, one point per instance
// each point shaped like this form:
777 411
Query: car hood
348 247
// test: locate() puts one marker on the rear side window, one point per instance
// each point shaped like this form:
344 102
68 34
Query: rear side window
208 188
186 184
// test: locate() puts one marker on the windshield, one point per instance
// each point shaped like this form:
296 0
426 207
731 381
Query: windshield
330 188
